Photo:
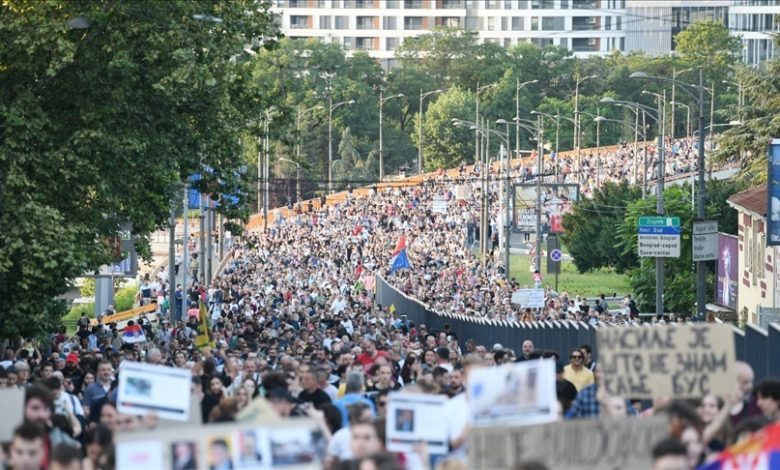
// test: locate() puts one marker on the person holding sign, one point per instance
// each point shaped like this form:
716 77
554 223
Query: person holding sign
576 372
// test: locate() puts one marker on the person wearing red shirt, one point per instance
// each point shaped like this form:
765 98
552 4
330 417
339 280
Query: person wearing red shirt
370 354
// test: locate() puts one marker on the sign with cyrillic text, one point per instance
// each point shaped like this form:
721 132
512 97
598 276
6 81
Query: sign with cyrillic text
667 361
581 444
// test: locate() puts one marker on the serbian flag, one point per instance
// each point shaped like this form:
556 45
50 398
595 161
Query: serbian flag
761 451
133 334
400 260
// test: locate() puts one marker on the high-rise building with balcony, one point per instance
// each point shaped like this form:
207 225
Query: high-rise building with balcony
585 26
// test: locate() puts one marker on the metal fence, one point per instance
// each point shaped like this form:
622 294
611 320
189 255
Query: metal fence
757 346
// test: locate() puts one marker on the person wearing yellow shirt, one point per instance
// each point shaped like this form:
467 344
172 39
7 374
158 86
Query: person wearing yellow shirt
576 372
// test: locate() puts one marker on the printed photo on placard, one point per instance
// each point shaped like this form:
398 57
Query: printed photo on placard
253 449
219 452
184 455
293 446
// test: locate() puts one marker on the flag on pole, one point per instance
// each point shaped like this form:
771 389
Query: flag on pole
759 452
133 334
400 260
204 337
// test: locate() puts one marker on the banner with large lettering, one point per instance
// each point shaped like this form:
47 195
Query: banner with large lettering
679 362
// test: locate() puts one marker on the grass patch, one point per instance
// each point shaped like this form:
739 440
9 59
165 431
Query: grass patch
123 300
591 284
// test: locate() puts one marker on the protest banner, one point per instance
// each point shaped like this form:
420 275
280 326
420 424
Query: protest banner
528 298
412 418
290 444
158 390
12 411
519 393
573 445
680 361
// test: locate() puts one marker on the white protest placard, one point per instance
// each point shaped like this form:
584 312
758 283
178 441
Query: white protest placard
583 444
519 393
528 298
414 417
439 205
667 361
290 443
12 411
157 390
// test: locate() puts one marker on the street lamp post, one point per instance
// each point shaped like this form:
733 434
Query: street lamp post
578 128
381 132
505 212
297 177
701 292
331 108
539 171
420 130
675 73
519 86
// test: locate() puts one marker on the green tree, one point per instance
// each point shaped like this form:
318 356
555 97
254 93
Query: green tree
709 44
447 145
99 127
591 227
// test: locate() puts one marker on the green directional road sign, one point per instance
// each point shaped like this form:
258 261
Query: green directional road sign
659 221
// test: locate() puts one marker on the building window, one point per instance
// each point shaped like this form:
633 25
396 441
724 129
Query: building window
542 42
607 23
413 4
584 45
348 44
299 22
543 4
493 4
324 22
552 23
365 22
391 44
413 23
534 23
391 3
583 23
504 23
364 44
491 23
388 23
584 4
453 4
296 4
449 21
364 4
564 4
517 23
618 23
342 22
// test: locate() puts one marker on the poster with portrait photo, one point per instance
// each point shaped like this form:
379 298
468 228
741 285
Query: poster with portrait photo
158 390
253 449
520 393
184 455
773 194
727 285
219 453
414 418
139 455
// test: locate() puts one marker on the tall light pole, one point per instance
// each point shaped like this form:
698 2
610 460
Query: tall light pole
332 107
519 86
675 73
381 132
297 178
298 117
420 129
539 171
646 111
578 130
687 116
690 89
267 116
506 215
479 90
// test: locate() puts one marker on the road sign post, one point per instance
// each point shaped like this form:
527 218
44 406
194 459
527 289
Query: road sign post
705 240
659 237
554 256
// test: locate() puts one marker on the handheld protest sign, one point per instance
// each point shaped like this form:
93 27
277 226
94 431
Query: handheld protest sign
519 393
582 444
157 390
12 411
413 417
668 361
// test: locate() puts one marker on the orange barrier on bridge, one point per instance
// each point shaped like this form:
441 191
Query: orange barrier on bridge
126 315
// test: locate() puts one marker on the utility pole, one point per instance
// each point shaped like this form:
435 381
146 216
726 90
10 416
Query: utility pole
659 208
539 171
701 266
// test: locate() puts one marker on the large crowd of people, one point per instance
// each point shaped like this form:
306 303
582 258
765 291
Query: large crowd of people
293 319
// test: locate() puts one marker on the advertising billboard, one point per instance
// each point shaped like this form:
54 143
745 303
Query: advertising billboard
773 206
727 284
556 201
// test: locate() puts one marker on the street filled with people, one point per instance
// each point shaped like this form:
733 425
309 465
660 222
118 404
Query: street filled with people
293 319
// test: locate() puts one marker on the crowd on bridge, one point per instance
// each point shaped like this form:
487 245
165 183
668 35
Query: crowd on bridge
293 319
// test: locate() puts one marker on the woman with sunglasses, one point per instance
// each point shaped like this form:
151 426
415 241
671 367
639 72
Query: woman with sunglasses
576 372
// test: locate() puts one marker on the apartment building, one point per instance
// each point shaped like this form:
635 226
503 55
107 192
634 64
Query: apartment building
380 26
585 26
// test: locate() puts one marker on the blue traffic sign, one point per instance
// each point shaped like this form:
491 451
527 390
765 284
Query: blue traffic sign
659 230
556 255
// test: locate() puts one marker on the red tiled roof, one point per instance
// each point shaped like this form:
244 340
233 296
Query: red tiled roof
753 199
